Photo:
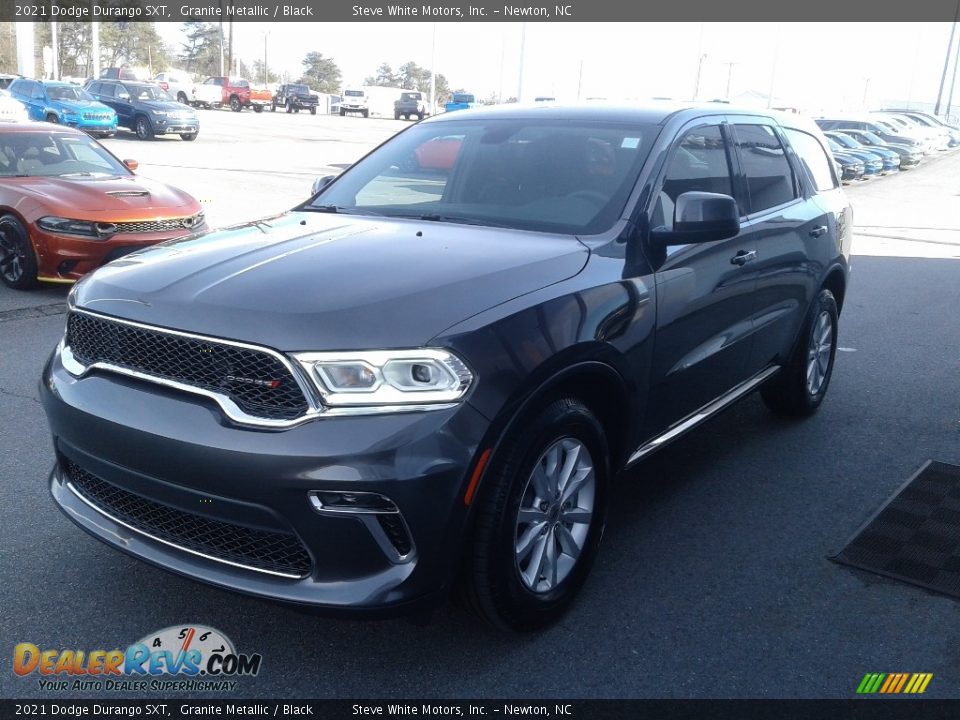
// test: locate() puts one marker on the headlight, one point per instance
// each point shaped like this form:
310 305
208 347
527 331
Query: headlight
426 376
84 228
160 113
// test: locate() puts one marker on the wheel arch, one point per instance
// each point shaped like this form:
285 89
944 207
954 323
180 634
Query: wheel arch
836 282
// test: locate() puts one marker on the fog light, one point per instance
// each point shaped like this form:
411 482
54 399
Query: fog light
351 502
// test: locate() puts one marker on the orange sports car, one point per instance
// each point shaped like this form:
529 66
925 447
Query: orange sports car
67 206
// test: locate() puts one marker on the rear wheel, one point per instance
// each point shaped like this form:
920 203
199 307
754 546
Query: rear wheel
342 112
182 98
313 111
235 104
799 388
52 118
540 516
273 107
289 107
18 263
143 128
258 108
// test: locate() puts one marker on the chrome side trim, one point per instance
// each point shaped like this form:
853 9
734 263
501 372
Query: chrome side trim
233 412
704 413
368 519
174 545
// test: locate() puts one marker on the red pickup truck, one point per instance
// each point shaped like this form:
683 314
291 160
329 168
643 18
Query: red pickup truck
217 91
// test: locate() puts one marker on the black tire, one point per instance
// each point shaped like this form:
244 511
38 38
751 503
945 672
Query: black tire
182 98
189 137
18 262
313 111
273 107
296 110
258 108
289 107
143 128
235 103
397 116
493 582
52 118
342 112
789 392
366 113
419 116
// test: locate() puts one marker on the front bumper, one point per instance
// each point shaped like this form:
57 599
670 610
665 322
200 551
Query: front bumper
176 452
92 126
175 126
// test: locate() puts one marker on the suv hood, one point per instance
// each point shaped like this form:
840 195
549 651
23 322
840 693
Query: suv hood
80 106
313 281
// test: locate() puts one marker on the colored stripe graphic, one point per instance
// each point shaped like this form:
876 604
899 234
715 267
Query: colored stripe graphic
894 683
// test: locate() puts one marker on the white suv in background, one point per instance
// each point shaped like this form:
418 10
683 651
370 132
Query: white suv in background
178 84
355 101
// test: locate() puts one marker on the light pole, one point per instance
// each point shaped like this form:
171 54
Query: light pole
433 73
946 59
266 76
696 84
523 55
730 76
56 51
953 82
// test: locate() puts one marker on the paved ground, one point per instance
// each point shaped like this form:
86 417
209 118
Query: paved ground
713 580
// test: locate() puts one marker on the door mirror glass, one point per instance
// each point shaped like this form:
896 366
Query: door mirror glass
700 217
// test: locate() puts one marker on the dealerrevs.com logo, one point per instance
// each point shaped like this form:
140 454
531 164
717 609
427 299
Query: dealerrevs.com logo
201 658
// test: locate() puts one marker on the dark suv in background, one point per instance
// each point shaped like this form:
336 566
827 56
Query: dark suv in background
146 108
294 98
462 358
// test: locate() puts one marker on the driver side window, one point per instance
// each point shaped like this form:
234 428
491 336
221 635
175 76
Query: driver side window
699 162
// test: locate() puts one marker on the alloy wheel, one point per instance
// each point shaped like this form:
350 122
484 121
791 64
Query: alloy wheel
819 353
11 256
555 513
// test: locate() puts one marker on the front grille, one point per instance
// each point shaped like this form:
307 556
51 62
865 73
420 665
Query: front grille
152 226
255 380
263 550
96 116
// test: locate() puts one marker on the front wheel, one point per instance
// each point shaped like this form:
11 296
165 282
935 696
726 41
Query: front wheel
273 107
52 118
313 111
258 108
18 263
235 104
143 128
182 98
189 137
799 388
540 516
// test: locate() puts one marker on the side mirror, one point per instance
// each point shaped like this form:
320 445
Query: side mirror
123 96
320 183
700 217
131 165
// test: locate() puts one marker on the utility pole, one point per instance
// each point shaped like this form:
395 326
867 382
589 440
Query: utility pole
523 54
730 76
266 75
433 73
866 91
56 51
230 43
696 85
946 59
580 81
953 81
95 48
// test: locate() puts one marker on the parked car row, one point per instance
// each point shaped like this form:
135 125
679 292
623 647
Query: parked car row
885 141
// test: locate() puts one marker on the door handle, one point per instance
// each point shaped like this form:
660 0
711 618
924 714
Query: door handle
818 231
743 257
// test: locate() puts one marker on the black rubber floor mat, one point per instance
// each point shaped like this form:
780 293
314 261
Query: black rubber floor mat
915 537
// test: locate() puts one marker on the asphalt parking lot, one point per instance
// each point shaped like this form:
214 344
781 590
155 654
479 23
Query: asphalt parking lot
714 578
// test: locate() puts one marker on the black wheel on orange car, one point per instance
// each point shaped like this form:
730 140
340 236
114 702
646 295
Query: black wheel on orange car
189 137
235 103
258 108
18 263
143 128
540 515
52 118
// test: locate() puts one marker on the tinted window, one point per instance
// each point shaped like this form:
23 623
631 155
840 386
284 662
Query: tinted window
698 163
564 176
108 90
36 91
764 164
814 159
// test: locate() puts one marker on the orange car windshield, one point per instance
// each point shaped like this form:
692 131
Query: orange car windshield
33 154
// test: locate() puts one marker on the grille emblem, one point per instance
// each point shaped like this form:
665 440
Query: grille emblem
272 384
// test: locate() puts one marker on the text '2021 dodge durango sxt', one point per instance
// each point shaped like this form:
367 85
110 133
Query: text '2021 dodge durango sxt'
428 375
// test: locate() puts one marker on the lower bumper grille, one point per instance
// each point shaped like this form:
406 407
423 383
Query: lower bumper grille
271 552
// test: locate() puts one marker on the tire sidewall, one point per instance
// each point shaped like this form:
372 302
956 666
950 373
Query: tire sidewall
28 276
563 418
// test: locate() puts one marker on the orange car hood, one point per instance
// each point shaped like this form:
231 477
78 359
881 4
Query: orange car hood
102 198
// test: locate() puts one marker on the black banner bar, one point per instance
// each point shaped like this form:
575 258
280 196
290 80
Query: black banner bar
860 709
473 11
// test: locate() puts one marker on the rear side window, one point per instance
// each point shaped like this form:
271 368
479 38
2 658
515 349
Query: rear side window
765 167
814 159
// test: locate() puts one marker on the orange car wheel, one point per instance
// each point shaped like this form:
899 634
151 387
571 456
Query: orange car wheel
18 263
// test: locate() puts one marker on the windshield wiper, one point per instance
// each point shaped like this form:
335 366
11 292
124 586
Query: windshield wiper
82 173
434 217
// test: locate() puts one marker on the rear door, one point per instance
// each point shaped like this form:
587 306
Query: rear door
785 224
704 291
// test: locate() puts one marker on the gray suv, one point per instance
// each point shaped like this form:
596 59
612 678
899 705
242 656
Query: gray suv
146 108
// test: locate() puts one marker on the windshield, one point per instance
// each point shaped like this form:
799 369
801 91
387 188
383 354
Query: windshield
34 154
564 176
67 92
353 93
872 138
462 98
149 93
834 145
845 140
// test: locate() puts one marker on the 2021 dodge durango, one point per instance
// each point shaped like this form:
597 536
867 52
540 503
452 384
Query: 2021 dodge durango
429 378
